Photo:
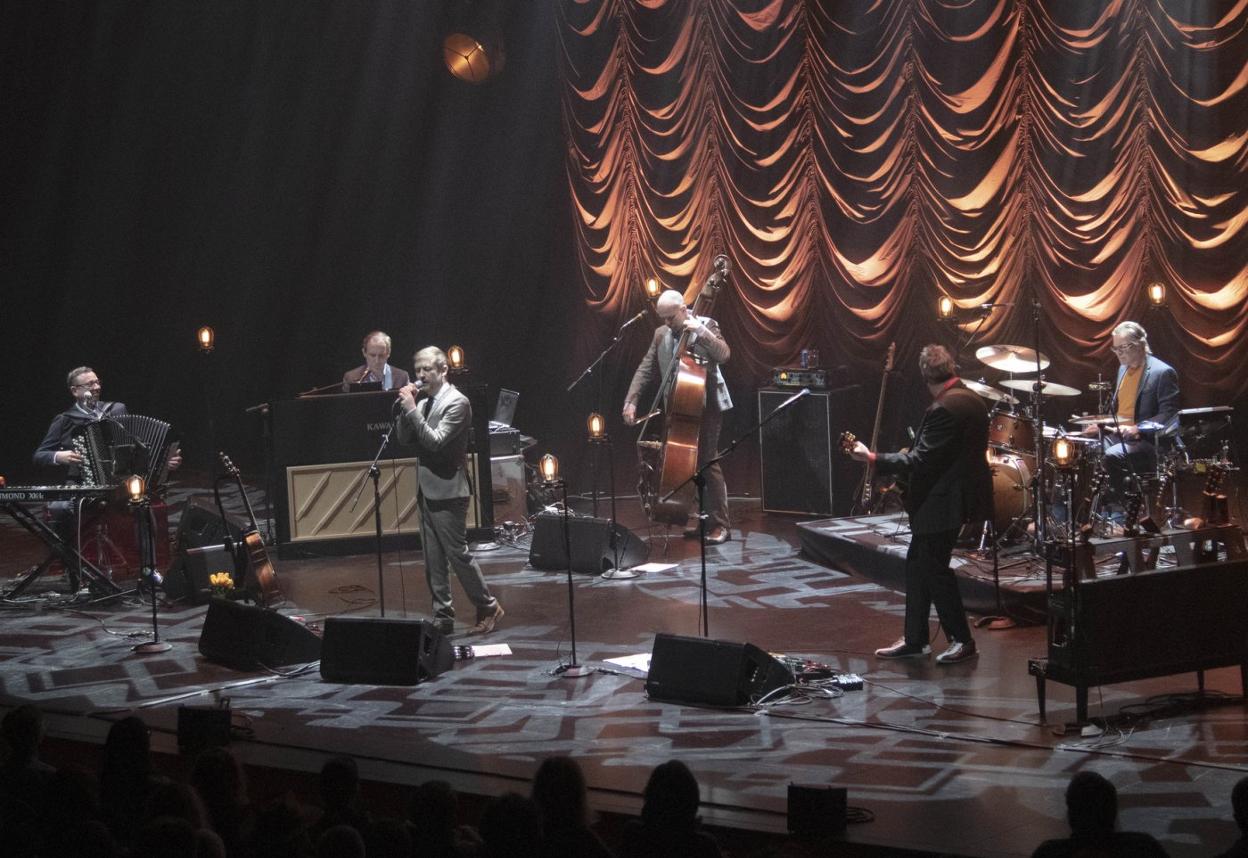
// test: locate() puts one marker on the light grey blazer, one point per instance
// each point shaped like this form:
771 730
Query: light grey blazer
441 442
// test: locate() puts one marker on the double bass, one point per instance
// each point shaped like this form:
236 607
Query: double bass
668 463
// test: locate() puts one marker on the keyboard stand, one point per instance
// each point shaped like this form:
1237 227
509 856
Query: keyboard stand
96 580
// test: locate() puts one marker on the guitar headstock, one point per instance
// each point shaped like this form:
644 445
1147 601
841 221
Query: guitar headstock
229 466
847 442
1133 506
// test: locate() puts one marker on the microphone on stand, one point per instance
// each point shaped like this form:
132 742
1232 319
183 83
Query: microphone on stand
636 318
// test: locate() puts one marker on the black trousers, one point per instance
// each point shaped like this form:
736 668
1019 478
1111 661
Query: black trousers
930 581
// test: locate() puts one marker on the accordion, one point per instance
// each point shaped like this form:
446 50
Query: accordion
116 447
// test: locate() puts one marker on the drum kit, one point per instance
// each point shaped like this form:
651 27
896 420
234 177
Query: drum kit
1012 437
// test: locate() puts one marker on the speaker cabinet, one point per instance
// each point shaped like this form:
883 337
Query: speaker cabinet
245 637
801 472
201 525
188 578
592 550
716 673
382 651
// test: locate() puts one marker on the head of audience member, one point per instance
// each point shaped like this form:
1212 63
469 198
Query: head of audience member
340 784
432 813
341 841
559 790
222 786
164 837
388 838
280 833
1130 344
1091 804
671 798
671 309
430 367
511 825
22 731
179 801
936 365
1239 803
376 351
84 386
127 756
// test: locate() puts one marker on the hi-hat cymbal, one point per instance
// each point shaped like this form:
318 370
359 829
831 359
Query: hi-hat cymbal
1010 358
987 391
1101 385
1050 388
1091 419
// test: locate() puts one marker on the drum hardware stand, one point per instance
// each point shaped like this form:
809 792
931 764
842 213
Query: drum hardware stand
1002 619
699 479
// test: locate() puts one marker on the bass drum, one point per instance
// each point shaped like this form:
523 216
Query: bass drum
1011 490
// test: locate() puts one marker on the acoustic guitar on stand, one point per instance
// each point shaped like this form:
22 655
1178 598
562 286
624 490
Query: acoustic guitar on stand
263 577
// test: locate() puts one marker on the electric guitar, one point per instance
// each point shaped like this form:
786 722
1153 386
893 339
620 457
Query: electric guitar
263 577
866 500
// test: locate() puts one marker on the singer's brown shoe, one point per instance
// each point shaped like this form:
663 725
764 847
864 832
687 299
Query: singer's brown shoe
718 536
487 619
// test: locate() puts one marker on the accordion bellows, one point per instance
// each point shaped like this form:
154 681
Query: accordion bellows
118 446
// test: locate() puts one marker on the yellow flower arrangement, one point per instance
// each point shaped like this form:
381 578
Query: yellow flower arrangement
222 583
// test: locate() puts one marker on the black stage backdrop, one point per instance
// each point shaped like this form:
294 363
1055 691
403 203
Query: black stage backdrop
298 173
293 174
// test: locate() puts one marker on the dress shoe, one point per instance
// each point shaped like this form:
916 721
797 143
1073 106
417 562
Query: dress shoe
445 625
718 536
958 651
901 649
487 619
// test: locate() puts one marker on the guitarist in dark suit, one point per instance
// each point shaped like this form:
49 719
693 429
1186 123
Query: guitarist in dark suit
948 484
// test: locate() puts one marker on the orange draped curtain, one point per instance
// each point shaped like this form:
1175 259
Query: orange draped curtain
855 159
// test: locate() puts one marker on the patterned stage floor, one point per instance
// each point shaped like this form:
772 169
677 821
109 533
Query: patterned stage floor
947 759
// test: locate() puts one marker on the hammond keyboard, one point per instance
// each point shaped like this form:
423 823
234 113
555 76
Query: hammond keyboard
36 494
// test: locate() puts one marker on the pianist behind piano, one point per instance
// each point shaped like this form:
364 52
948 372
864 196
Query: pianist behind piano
376 351
57 447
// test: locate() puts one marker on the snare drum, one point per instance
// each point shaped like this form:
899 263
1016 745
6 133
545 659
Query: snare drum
1011 490
1014 432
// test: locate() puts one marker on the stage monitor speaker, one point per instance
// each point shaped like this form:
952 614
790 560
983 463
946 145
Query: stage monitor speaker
188 578
801 470
245 637
592 552
382 651
201 524
716 673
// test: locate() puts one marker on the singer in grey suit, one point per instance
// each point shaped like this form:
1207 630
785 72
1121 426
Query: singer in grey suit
436 420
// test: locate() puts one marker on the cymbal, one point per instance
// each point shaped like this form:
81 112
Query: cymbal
1091 419
1050 388
1101 385
1010 358
987 391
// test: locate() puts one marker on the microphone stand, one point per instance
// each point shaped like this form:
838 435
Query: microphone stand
142 508
374 473
266 441
699 479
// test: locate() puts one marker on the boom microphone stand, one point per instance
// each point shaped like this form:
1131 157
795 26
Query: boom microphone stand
374 473
699 479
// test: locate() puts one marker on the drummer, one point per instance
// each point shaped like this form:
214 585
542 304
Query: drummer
1146 398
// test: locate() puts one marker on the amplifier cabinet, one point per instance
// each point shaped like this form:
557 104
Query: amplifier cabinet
801 470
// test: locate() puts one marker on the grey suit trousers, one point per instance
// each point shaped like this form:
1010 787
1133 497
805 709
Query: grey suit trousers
444 537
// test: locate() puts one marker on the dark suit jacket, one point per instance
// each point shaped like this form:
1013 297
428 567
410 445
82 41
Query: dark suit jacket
441 442
398 377
658 360
947 469
60 437
1158 396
